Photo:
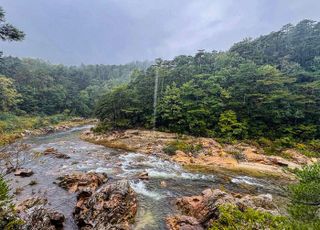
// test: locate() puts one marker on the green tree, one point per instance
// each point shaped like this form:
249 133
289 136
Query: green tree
305 196
117 108
230 127
8 216
7 31
9 97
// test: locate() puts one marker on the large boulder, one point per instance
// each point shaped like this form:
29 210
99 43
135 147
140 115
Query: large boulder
262 202
112 206
204 206
40 218
82 181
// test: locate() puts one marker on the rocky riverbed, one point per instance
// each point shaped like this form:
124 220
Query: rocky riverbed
213 156
75 184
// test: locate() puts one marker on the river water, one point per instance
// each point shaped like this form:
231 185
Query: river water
155 202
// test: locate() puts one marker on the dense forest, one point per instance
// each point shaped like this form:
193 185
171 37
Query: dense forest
36 87
263 91
264 87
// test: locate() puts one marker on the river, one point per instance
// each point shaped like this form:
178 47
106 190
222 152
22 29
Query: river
155 201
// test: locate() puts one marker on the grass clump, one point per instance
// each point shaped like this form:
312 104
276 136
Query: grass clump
11 126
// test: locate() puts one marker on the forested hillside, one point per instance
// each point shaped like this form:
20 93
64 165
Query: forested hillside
266 87
35 87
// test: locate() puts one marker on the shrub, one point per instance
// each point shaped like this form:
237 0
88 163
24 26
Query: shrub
230 217
310 149
8 217
101 127
284 142
170 149
315 145
173 146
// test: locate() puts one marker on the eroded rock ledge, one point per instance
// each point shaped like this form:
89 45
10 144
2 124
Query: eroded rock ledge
79 181
198 212
239 158
112 206
100 204
42 218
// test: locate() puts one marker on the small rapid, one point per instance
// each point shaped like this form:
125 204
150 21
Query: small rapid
167 180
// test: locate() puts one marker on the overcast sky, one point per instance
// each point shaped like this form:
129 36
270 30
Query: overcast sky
119 31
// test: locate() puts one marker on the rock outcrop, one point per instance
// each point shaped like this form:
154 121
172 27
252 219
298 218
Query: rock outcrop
143 176
203 209
212 156
23 172
182 222
54 152
30 203
82 181
40 218
112 206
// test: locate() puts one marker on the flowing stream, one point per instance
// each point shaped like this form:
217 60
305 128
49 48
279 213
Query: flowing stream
155 202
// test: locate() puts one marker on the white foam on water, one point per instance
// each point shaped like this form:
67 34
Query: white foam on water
128 159
193 176
161 174
140 187
246 180
156 162
102 170
157 168
183 175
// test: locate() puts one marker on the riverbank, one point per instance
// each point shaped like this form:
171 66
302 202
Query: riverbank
14 127
204 154
60 169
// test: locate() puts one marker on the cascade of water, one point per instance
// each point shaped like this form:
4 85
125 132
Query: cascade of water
155 98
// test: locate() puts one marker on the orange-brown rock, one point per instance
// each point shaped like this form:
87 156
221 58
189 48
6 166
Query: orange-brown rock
54 152
181 222
212 156
143 176
80 181
112 206
297 157
204 208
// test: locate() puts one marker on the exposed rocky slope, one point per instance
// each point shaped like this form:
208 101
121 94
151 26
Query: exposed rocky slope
212 156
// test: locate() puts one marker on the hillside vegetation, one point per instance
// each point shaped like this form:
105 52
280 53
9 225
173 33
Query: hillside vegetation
266 89
35 87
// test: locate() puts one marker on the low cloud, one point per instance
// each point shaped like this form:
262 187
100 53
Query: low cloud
119 31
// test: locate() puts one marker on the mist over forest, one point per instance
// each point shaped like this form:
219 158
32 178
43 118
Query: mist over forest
226 137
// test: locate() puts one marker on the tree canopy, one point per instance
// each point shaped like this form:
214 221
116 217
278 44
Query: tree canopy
7 31
269 86
50 89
